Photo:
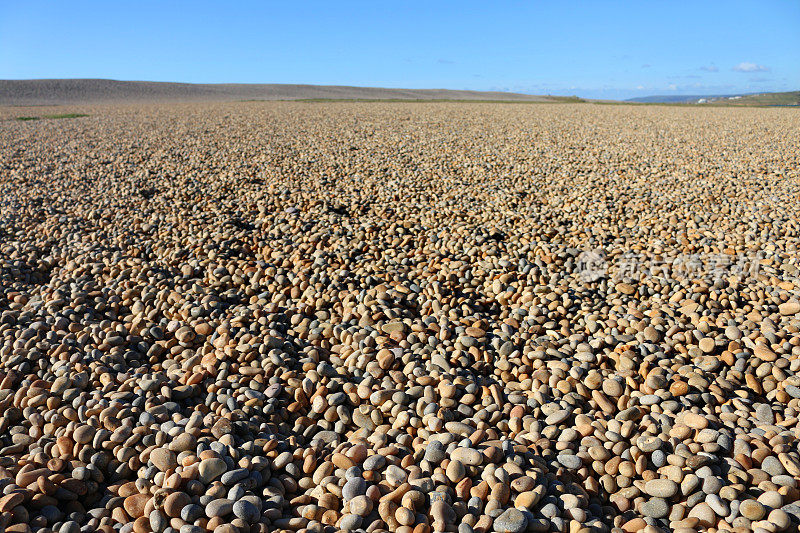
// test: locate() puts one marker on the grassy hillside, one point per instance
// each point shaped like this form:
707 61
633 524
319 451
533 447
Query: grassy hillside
791 98
77 91
768 99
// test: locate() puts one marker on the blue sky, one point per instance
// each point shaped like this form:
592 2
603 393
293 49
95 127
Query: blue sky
608 48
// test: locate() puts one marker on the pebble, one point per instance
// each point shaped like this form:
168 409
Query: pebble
703 513
661 488
354 487
135 504
752 510
175 502
361 505
158 521
83 434
467 456
655 508
434 452
219 508
350 522
570 461
69 527
780 519
511 521
789 308
164 459
211 469
246 511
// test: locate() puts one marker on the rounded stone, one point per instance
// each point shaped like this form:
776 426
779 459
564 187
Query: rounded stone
135 504
704 514
780 519
573 462
83 434
69 527
511 521
467 456
350 522
655 508
158 521
175 502
191 512
752 510
211 469
164 459
354 487
435 452
219 508
361 505
456 471
246 511
661 488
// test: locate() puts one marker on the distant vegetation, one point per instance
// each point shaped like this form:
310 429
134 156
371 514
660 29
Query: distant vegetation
72 91
65 115
791 98
549 100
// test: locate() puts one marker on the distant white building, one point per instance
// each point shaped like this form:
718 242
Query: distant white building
702 101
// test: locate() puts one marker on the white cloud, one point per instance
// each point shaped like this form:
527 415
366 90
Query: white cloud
710 68
750 67
640 87
672 87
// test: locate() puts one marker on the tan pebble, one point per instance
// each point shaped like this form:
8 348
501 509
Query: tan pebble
704 514
404 516
134 505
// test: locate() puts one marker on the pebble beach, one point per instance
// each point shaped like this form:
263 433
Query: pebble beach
258 317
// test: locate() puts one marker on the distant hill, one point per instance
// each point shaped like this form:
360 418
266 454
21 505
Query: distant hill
77 91
791 98
675 98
